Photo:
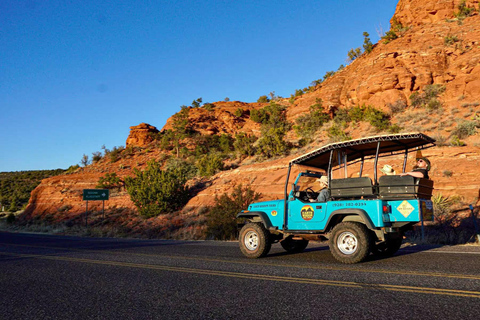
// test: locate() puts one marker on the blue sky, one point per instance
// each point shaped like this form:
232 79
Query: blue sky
75 75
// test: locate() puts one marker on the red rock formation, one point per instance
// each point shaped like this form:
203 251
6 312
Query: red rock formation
141 135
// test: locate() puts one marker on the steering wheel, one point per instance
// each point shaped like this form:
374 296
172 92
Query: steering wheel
310 193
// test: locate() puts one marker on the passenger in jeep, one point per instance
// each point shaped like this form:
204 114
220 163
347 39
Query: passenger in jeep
420 170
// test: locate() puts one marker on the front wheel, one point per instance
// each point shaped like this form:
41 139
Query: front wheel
350 242
254 240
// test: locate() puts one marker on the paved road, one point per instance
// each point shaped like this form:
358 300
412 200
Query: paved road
54 277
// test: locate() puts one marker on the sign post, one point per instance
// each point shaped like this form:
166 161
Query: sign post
95 194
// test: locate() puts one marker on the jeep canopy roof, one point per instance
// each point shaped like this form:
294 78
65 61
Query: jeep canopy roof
366 148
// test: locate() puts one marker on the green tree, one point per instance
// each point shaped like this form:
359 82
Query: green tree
221 220
155 192
367 44
354 54
181 130
197 103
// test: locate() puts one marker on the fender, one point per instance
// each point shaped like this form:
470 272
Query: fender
352 212
260 214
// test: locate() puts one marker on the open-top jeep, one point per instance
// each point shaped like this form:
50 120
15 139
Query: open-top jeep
361 216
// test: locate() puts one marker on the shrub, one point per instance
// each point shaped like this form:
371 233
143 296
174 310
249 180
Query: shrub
263 99
96 156
209 164
239 112
272 142
114 154
335 133
186 168
72 169
307 125
428 98
397 107
456 142
243 145
389 36
447 173
155 192
463 10
465 129
221 220
298 92
450 40
110 181
209 106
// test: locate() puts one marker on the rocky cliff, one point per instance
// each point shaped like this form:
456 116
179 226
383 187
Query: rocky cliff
435 45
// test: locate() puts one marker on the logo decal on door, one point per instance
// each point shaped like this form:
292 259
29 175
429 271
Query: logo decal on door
307 212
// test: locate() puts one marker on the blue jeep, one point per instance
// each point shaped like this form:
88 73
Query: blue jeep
361 215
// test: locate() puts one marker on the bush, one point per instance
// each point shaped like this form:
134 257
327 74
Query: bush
221 220
114 154
463 10
96 156
465 129
186 169
307 125
209 164
110 181
389 36
239 112
263 99
335 133
155 192
272 142
397 107
450 40
428 98
209 106
243 145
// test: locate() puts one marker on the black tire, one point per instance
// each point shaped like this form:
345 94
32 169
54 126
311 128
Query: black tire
388 248
254 240
350 242
294 246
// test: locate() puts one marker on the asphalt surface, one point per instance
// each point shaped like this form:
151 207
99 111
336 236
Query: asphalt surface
55 277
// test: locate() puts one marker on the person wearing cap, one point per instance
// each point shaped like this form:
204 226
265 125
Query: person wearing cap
324 194
421 169
388 170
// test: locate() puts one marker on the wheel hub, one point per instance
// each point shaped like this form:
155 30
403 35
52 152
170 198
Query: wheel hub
347 243
251 240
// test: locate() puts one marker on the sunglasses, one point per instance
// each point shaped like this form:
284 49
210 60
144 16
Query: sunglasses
420 160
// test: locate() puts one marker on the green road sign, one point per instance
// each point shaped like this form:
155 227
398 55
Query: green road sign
95 194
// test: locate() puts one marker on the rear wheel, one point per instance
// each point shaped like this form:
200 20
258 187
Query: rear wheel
350 242
254 240
294 246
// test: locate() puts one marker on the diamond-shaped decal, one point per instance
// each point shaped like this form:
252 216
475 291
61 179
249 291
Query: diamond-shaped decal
405 208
